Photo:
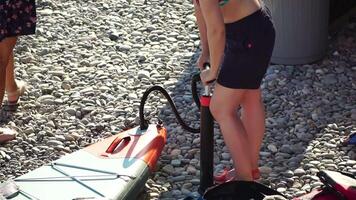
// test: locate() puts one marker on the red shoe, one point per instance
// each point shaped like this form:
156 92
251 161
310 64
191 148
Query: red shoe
222 177
225 176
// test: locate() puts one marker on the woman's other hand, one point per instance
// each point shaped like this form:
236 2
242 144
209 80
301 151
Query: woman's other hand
203 58
208 76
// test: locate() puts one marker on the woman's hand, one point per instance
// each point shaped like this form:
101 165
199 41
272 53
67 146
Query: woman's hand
207 76
203 58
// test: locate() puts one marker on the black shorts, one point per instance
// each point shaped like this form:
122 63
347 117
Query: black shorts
248 50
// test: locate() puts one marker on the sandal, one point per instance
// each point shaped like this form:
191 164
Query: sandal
225 175
7 134
12 105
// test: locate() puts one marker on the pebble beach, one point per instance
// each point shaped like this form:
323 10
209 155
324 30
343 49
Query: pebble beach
90 62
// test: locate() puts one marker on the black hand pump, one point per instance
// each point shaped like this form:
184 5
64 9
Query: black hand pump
206 136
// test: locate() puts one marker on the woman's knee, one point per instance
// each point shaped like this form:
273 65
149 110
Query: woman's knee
6 48
214 110
3 62
220 112
4 59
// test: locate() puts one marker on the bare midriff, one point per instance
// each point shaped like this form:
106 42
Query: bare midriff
235 10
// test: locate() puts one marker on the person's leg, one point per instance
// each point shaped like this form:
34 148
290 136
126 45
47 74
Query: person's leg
253 119
6 47
14 88
10 85
223 107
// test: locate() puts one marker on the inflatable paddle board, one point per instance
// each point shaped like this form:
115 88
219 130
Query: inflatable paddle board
114 168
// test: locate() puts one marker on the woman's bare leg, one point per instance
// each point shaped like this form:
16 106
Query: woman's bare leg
11 85
223 107
6 47
253 119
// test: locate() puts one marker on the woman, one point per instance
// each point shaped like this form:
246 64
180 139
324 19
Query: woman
17 17
237 39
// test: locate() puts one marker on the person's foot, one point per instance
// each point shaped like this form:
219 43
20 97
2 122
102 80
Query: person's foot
7 134
256 174
230 175
13 97
226 175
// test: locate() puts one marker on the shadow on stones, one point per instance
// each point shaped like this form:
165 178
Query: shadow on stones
307 112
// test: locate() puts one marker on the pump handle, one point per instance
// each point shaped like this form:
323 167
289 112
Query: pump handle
206 65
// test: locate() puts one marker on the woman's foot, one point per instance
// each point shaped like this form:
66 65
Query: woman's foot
7 134
225 176
230 175
13 97
256 174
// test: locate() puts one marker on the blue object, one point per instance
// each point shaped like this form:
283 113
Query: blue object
352 139
200 198
193 198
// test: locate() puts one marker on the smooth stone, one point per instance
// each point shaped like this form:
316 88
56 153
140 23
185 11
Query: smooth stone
168 169
176 163
281 190
265 170
288 173
54 143
225 156
266 154
143 74
178 178
175 152
299 172
272 148
351 162
191 169
70 111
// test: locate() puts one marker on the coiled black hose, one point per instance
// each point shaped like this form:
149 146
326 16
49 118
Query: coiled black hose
195 79
144 123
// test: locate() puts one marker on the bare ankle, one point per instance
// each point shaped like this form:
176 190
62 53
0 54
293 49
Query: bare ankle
244 177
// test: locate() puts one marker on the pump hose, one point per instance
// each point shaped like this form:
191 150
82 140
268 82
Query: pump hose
143 122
